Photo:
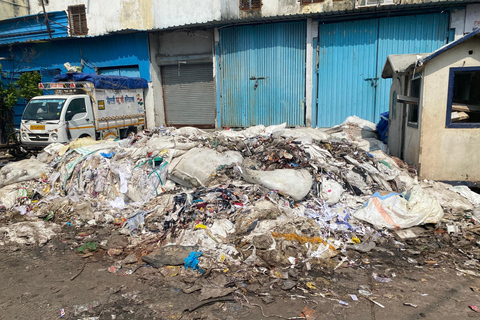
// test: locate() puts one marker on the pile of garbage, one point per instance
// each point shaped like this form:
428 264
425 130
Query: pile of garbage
266 197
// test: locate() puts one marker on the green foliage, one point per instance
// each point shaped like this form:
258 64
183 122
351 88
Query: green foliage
25 87
28 85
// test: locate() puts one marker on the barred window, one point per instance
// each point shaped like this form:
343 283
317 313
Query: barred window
250 4
77 20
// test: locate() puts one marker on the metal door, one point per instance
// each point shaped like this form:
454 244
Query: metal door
347 62
408 34
79 115
189 95
351 58
263 74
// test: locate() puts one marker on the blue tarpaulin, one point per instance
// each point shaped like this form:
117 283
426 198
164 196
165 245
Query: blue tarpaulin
103 82
382 127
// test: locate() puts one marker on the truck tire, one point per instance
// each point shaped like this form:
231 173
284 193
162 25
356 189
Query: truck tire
84 136
130 130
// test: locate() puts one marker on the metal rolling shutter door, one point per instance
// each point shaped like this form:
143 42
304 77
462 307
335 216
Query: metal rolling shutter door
189 93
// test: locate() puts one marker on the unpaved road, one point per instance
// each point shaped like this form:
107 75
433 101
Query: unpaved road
36 284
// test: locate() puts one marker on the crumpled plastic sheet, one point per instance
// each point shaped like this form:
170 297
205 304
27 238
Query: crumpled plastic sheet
192 261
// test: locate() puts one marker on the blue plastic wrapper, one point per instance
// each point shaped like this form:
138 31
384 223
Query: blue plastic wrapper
192 261
107 155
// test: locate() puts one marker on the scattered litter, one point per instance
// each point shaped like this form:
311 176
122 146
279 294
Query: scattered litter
375 302
381 277
474 308
270 200
311 285
410 305
79 309
288 284
308 313
88 247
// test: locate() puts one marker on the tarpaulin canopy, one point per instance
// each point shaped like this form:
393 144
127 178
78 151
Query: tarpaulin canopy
103 82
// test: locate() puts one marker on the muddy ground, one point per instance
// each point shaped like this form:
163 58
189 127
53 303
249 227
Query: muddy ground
37 282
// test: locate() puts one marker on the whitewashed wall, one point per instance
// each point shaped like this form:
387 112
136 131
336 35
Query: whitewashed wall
13 8
104 16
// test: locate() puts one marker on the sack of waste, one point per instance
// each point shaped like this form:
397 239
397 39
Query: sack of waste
23 170
395 211
194 168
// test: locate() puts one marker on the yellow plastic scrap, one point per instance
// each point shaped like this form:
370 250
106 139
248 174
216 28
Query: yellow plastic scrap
200 226
301 239
171 271
355 240
311 285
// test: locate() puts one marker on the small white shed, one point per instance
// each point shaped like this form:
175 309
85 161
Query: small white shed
434 112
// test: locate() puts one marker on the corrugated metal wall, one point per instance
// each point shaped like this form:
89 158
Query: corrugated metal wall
189 93
263 74
105 51
351 59
347 57
33 27
409 34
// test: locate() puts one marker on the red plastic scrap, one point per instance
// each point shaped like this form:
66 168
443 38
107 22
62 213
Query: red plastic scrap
308 313
474 308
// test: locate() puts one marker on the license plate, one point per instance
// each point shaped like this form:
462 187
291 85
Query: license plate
38 127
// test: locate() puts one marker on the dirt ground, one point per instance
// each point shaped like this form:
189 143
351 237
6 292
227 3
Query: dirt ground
37 283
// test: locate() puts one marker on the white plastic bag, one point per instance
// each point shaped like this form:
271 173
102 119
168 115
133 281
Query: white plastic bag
194 168
392 211
23 170
468 194
331 191
295 183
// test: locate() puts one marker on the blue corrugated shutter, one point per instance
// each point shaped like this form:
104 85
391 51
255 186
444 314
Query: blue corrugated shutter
351 59
347 57
263 74
401 35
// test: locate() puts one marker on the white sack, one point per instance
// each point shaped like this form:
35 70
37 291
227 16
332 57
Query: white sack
295 183
8 195
23 170
391 211
449 200
301 133
194 168
468 194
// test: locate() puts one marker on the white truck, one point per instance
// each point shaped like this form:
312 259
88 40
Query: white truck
84 105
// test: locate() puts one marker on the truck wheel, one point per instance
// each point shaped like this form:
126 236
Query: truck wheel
130 130
84 136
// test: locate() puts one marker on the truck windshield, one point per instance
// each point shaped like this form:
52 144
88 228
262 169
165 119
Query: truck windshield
43 109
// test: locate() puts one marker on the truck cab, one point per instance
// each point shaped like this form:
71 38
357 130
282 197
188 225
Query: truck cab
57 118
84 105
